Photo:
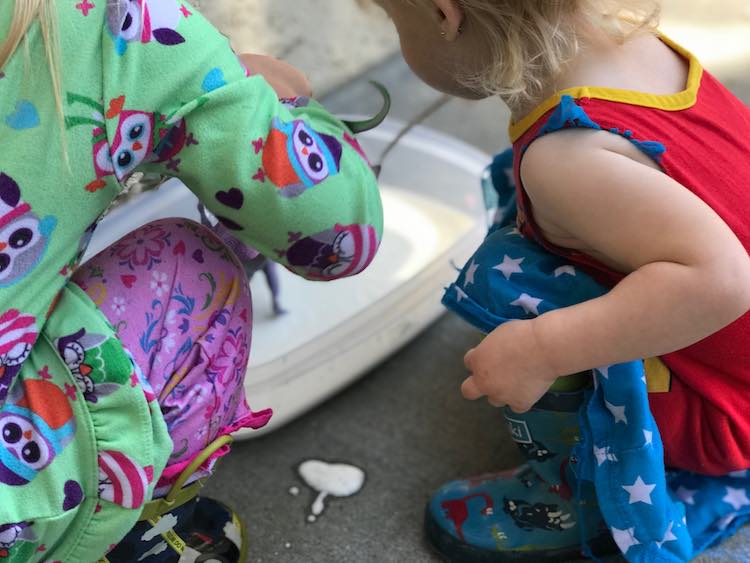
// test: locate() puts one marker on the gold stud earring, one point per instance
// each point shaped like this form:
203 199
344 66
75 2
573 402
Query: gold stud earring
459 31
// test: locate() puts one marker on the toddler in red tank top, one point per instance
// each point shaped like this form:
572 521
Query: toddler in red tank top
632 162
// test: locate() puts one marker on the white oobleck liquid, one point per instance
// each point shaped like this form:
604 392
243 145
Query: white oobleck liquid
330 479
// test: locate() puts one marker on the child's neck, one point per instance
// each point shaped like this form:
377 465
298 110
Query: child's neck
643 64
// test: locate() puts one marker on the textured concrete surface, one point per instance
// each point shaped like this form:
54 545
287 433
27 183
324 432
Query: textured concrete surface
405 423
331 40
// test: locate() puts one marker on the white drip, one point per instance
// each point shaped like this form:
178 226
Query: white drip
330 479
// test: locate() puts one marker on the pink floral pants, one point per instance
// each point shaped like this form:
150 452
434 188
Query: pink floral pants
180 303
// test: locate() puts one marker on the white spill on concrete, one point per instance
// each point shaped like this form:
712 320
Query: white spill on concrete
330 479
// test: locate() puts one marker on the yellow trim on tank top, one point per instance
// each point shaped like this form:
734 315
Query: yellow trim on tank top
658 376
668 102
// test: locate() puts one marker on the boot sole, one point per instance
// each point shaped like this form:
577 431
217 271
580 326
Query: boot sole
453 550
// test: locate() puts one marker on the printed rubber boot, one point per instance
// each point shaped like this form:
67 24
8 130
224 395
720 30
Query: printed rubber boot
202 530
184 527
537 512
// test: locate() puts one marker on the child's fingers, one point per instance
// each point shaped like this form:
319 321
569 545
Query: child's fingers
288 81
470 390
468 357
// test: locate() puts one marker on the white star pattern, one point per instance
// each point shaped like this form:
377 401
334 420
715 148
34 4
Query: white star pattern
460 295
649 436
617 412
529 304
625 539
562 270
510 266
736 497
639 491
668 536
604 454
473 267
626 402
513 231
686 495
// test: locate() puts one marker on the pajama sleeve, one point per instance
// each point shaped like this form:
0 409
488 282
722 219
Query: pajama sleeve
288 179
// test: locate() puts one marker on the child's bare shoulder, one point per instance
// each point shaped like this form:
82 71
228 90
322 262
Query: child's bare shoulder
569 152
587 186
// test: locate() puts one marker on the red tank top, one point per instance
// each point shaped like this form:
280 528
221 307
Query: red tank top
701 138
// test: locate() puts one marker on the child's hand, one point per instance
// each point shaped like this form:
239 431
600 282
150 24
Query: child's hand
283 77
509 368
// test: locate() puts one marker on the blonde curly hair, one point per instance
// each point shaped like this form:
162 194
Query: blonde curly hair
529 41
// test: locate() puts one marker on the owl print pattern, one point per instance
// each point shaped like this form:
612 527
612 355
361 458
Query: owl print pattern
297 158
139 137
34 430
116 372
24 237
144 21
18 332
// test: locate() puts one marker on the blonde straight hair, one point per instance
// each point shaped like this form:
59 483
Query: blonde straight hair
26 12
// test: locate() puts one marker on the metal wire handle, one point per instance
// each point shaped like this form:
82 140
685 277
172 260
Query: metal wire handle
411 124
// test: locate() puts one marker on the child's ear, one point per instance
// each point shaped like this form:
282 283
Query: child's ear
451 18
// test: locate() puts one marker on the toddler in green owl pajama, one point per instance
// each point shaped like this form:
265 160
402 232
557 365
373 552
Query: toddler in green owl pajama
114 375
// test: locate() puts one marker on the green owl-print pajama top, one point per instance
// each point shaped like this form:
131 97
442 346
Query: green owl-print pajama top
146 86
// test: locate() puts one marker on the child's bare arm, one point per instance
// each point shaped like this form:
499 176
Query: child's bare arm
688 274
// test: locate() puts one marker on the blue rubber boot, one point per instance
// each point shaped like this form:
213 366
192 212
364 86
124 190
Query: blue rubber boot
537 512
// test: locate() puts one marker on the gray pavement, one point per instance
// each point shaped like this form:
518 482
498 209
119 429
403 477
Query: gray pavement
404 423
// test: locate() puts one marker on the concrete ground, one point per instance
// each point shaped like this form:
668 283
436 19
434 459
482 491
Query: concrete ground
332 41
404 423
